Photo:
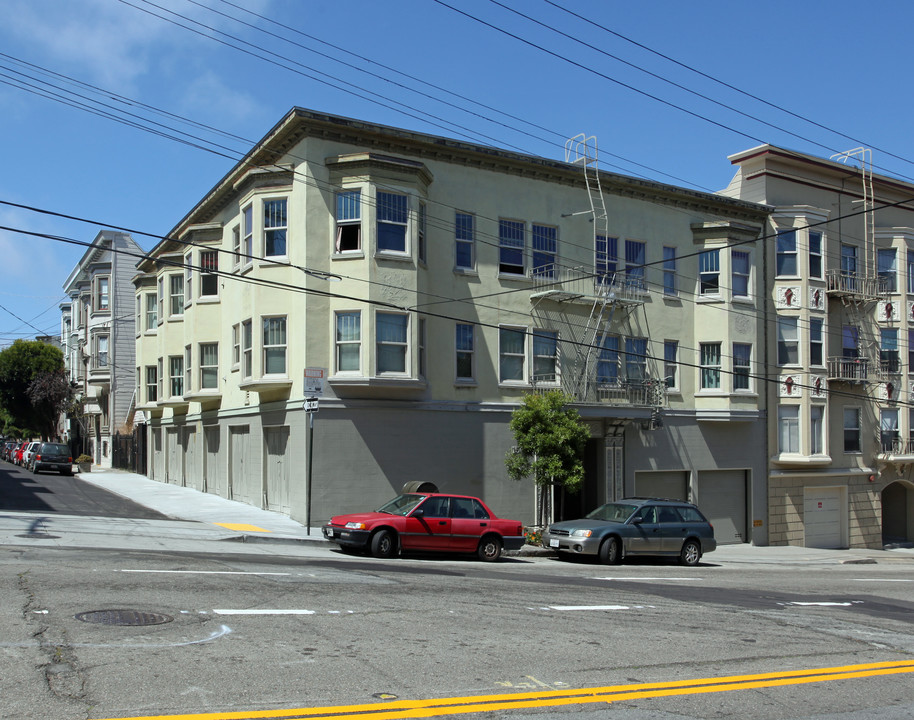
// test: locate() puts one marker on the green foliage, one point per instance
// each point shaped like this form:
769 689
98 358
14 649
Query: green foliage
550 440
33 386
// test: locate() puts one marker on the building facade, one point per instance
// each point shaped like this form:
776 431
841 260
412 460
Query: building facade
422 286
98 343
840 298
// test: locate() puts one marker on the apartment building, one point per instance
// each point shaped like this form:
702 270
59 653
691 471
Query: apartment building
422 286
98 343
840 295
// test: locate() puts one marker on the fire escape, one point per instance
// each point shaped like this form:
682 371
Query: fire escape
594 373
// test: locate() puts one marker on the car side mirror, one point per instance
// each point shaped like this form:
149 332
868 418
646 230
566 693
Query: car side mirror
418 513
637 520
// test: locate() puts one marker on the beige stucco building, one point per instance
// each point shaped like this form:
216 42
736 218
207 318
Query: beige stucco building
423 286
840 300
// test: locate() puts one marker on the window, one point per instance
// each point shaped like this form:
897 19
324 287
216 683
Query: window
349 221
464 241
635 359
161 377
788 345
511 354
545 356
544 251
275 226
669 271
885 261
209 266
851 430
816 430
815 342
247 352
209 366
848 260
465 346
175 294
152 316
888 350
176 376
152 384
911 351
236 246
850 347
789 429
606 257
739 273
161 298
236 345
348 341
247 240
420 233
787 253
742 357
421 349
101 351
137 322
274 346
393 211
910 271
709 272
815 254
888 430
188 377
709 358
391 335
102 297
670 364
511 247
188 278
635 253
608 363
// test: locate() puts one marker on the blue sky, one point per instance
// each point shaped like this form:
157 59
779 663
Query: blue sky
468 69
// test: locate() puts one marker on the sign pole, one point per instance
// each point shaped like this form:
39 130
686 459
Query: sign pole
310 465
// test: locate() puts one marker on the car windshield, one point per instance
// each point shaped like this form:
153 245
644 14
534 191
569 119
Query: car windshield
612 512
402 504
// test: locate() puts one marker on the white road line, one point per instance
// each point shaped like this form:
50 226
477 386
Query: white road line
263 612
638 579
882 580
564 608
819 604
203 572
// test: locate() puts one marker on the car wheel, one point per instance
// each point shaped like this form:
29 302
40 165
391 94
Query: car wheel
611 552
489 549
691 553
383 544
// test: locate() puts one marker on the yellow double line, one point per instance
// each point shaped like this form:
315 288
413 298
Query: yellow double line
554 698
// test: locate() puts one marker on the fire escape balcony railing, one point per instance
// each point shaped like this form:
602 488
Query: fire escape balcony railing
893 445
848 369
855 287
647 392
563 283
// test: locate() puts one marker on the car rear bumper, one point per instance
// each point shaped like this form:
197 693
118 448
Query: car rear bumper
514 543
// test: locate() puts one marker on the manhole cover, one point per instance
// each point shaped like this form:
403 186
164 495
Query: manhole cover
123 617
39 536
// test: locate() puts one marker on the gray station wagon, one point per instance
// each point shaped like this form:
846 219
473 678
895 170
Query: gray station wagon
52 456
635 526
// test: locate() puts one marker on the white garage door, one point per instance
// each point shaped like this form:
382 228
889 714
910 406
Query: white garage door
824 512
722 499
673 485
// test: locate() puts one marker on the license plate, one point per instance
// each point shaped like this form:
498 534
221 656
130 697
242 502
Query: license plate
553 542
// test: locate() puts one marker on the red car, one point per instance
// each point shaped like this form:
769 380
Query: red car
432 522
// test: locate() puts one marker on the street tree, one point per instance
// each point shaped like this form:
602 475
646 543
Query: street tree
33 385
550 439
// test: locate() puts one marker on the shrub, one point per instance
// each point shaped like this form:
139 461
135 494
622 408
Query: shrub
83 459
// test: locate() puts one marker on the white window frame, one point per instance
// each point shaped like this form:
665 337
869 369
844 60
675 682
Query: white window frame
548 340
512 239
855 429
709 366
247 235
175 298
275 344
421 237
188 369
635 266
503 355
272 228
247 349
671 365
101 294
816 256
786 253
236 247
152 384
670 288
348 335
742 373
385 346
152 312
465 352
209 366
709 273
788 429
348 221
544 248
817 429
738 277
465 240
188 279
389 217
888 269
787 340
101 354
176 376
816 341
209 268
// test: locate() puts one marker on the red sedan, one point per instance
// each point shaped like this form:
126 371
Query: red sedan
432 522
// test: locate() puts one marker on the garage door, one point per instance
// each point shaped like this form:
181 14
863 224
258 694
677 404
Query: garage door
673 485
722 499
824 510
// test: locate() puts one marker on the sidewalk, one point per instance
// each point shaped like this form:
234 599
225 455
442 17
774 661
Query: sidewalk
246 523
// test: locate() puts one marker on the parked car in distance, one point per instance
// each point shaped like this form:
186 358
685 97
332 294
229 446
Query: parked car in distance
53 456
6 451
635 526
28 453
17 453
434 522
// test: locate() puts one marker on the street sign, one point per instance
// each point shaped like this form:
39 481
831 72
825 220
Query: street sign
311 404
314 382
